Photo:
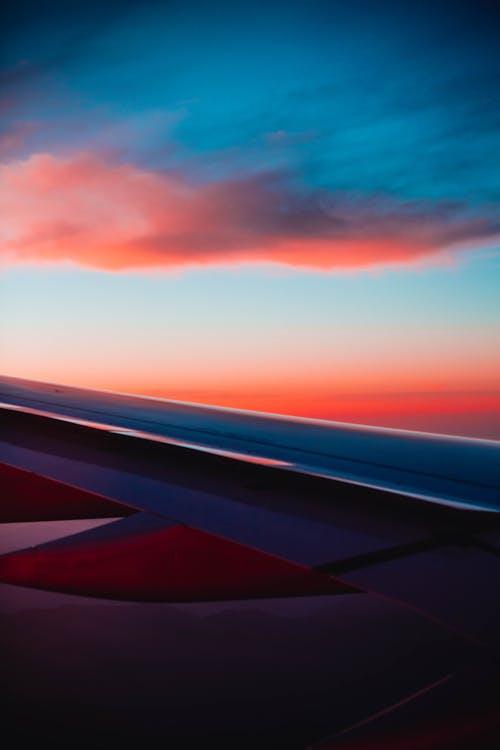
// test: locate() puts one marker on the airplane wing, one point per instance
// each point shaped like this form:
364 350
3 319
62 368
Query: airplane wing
207 503
215 503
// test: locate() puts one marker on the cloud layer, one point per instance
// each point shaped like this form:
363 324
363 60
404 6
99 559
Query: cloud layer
86 209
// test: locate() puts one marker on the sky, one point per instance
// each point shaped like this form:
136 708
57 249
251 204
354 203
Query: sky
290 206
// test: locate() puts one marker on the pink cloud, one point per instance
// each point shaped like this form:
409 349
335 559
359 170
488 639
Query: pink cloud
100 214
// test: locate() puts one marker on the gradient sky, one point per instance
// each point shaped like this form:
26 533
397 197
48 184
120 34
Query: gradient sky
287 206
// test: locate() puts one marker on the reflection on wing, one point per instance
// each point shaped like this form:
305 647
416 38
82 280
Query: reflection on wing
146 558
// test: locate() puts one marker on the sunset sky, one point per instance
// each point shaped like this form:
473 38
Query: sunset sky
285 206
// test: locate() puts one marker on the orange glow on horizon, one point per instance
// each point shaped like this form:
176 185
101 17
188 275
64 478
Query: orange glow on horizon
462 413
433 408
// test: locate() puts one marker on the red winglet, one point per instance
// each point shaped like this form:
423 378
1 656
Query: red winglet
145 558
